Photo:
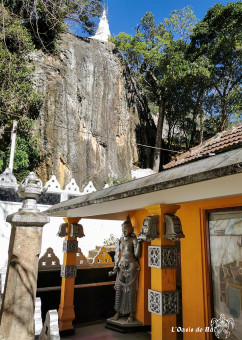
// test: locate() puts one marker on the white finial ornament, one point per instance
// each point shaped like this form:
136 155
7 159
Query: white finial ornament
103 31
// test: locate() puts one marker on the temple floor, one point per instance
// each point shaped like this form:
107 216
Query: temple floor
99 332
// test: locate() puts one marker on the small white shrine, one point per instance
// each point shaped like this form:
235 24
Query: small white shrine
103 31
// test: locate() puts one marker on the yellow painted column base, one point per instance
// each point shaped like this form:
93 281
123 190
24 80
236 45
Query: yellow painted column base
66 311
163 327
66 316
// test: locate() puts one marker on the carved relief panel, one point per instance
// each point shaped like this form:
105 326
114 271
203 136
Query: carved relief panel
163 303
162 257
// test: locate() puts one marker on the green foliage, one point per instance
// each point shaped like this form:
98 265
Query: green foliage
47 19
190 72
161 66
26 157
181 22
114 181
143 50
18 99
87 11
218 36
2 157
25 25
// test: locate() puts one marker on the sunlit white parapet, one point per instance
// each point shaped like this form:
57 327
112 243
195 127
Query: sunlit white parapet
89 188
71 190
52 185
72 187
103 31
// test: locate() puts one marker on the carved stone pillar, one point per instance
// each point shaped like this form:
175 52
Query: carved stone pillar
162 297
70 230
17 320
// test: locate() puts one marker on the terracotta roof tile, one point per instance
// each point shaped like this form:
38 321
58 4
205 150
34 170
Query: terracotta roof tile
221 141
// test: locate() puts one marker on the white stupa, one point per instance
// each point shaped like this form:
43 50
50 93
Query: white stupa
103 31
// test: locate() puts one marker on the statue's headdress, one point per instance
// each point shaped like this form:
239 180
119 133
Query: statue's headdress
128 223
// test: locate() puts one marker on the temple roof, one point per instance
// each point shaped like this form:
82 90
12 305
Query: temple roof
223 141
213 177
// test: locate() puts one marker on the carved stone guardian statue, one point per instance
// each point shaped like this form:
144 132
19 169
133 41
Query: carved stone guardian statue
127 269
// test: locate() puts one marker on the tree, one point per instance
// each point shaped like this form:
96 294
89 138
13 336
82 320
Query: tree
46 19
143 52
187 83
18 99
160 63
190 71
181 22
218 37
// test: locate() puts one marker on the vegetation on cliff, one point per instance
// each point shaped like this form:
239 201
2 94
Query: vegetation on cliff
24 27
18 100
46 19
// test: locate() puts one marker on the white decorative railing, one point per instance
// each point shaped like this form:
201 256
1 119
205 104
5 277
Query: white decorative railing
9 182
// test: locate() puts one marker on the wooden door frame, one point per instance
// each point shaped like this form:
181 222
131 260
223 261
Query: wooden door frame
207 260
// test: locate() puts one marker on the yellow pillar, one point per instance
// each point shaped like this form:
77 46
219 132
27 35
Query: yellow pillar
137 217
162 280
66 309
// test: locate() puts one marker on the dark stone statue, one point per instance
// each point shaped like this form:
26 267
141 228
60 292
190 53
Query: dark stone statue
127 269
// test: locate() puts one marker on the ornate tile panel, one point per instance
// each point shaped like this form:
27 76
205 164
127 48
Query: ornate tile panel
163 303
168 257
70 246
154 257
68 271
162 257
170 303
154 302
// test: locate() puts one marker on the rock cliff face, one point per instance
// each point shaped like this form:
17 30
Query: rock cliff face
93 114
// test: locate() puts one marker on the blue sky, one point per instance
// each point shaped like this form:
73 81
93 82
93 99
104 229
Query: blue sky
124 15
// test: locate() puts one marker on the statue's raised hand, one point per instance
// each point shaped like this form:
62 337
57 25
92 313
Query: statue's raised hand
113 272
